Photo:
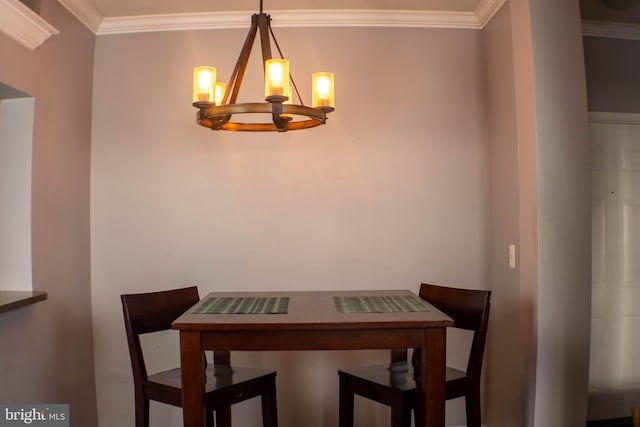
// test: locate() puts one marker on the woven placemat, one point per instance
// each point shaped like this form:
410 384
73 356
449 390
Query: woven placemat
379 304
244 305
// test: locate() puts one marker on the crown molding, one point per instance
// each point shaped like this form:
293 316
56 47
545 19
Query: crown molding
290 18
486 9
614 30
24 25
91 18
85 12
614 118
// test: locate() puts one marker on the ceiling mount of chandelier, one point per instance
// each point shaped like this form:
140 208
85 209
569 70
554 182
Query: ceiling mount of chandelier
217 104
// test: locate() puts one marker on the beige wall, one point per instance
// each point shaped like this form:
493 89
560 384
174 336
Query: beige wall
391 192
539 342
509 356
47 348
425 190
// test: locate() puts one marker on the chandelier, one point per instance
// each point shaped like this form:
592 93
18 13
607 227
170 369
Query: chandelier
216 102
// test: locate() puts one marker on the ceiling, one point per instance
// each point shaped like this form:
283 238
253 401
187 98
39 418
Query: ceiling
593 10
122 8
127 16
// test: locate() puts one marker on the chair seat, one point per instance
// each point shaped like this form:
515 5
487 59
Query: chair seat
237 384
401 381
172 377
399 390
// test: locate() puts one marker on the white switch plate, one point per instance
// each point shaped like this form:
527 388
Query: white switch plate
512 256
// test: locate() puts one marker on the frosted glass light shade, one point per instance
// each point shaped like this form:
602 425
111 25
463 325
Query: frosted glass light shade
323 90
276 78
204 81
288 94
219 92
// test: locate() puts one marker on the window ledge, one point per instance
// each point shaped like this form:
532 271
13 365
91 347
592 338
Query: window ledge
12 300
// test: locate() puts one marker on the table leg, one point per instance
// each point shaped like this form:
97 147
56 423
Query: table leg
433 379
191 361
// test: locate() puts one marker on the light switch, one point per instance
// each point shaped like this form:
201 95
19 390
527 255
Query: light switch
512 256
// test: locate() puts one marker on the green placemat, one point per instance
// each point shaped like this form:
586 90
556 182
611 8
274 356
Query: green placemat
379 304
244 305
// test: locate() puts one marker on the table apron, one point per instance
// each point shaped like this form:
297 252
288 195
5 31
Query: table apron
313 339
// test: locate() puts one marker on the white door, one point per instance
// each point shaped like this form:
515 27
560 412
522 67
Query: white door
615 324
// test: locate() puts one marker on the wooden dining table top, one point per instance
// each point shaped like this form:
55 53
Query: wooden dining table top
309 310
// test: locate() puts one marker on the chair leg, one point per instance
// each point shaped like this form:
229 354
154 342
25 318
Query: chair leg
472 403
209 419
399 416
223 417
401 411
141 410
270 407
345 405
406 415
418 416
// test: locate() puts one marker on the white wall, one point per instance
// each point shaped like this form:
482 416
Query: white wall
391 192
611 68
16 138
564 215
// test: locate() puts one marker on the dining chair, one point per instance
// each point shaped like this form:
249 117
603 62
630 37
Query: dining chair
225 385
396 385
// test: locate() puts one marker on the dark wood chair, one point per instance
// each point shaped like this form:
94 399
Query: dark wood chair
225 385
395 385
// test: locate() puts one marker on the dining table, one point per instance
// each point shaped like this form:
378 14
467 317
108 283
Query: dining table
313 320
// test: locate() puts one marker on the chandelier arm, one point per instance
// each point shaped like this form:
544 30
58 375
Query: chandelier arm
218 122
295 88
241 65
275 41
264 23
293 83
282 123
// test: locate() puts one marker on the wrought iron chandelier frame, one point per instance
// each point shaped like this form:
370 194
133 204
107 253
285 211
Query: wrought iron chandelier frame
218 117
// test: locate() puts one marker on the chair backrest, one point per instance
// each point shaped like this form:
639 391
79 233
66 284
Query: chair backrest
152 312
469 309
